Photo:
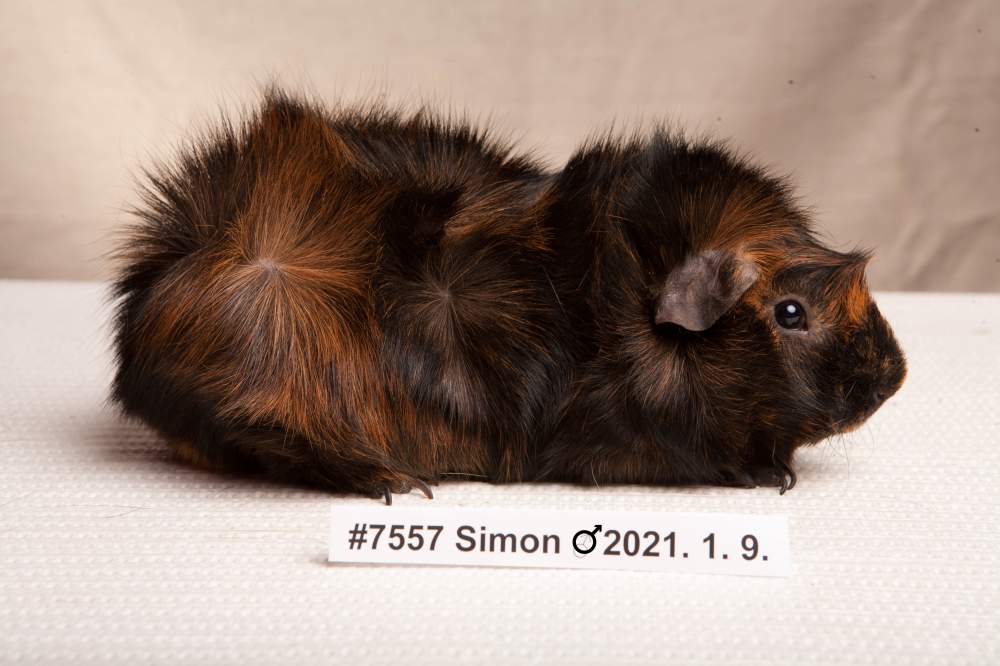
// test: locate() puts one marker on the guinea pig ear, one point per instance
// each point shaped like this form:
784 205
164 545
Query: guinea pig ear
703 288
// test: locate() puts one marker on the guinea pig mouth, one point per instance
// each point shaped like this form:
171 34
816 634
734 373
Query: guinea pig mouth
856 405
852 421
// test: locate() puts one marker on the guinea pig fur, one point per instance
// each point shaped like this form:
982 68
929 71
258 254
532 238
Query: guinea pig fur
373 301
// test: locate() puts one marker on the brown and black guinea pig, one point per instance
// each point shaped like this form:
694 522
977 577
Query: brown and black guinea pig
372 301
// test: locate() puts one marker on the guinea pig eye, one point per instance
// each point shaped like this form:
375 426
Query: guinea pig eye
791 315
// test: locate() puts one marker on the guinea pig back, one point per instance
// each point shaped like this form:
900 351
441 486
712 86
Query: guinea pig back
372 301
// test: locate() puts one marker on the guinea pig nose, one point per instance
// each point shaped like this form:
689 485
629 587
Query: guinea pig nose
894 380
886 390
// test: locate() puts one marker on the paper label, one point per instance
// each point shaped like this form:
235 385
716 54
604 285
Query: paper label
719 543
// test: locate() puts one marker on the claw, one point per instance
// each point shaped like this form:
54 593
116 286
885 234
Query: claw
779 475
788 477
423 487
385 490
792 478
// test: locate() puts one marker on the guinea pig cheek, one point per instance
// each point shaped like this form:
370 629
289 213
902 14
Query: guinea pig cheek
813 387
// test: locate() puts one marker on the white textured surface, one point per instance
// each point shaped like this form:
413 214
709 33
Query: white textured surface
109 552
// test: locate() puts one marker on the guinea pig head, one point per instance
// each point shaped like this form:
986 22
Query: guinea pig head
825 318
760 338
819 354
794 319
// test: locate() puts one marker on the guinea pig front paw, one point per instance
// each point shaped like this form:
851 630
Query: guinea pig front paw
778 475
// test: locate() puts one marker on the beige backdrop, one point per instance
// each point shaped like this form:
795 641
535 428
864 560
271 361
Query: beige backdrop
886 113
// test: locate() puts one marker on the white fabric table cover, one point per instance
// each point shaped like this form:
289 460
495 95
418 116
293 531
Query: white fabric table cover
110 552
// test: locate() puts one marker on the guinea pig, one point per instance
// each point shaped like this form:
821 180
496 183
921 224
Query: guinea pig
372 301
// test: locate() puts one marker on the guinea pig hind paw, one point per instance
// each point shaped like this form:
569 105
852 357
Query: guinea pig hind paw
387 489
